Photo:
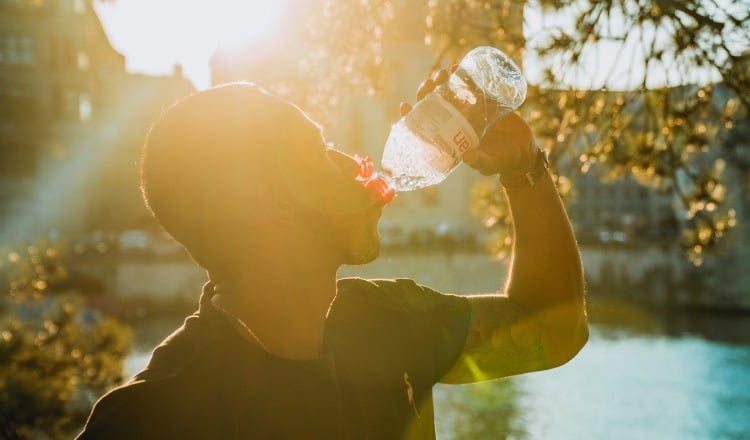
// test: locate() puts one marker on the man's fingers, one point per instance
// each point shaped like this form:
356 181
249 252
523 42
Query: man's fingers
404 108
426 87
480 161
441 76
474 157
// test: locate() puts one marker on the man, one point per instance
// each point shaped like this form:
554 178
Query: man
279 348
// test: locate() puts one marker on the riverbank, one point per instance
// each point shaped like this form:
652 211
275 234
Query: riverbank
136 287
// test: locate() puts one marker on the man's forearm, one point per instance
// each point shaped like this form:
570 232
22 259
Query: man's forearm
546 274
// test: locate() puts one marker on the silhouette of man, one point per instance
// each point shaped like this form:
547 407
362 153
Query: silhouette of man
281 349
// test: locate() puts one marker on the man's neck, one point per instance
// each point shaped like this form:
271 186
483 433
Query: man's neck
284 311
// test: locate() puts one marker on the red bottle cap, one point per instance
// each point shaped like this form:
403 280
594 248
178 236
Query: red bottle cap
365 168
378 188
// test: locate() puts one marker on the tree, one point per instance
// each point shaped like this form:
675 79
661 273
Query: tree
669 129
57 356
668 121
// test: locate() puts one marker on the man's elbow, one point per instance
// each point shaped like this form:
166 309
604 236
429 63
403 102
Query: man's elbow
568 337
570 348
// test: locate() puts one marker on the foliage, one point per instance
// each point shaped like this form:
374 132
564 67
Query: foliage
668 139
56 355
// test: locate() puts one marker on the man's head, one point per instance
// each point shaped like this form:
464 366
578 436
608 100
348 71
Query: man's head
225 169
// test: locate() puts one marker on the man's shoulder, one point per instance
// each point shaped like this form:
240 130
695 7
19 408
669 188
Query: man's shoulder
401 303
159 398
394 326
181 350
396 293
131 410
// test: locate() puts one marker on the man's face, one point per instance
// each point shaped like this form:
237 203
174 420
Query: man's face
357 229
324 182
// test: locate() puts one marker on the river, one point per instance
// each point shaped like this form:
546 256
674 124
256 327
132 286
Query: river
642 375
664 383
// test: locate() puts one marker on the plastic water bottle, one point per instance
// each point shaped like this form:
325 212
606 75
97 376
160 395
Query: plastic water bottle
427 144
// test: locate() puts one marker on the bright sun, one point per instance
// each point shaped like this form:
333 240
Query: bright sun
154 35
243 21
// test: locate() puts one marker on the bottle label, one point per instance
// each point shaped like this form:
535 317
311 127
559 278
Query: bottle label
436 120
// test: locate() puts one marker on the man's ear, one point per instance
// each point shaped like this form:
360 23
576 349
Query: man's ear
280 205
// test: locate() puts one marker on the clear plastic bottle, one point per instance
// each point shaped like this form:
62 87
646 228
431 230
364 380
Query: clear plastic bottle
426 144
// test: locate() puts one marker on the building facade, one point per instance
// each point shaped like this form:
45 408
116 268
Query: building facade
71 122
621 212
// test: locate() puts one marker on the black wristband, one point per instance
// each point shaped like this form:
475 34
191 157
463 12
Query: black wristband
530 178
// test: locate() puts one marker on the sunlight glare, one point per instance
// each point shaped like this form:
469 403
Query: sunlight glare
246 21
155 35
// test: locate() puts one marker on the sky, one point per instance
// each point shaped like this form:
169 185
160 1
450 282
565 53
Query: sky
155 35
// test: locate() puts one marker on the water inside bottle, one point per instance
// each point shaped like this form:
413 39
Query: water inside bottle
407 160
486 86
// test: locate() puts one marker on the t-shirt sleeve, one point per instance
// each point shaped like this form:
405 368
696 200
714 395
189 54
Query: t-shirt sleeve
414 322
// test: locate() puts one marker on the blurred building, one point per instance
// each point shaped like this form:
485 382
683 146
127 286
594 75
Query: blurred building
71 122
621 211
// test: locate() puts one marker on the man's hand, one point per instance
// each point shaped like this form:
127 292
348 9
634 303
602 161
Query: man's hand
508 146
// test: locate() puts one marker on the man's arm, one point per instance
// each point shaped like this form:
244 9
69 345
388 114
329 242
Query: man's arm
540 321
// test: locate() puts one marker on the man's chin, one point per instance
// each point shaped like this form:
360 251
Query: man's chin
364 256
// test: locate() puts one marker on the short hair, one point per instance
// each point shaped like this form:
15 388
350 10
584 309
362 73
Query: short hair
213 151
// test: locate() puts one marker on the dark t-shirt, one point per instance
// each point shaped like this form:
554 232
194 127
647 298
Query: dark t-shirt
389 342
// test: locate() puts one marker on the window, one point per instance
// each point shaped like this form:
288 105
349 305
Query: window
84 107
25 51
67 105
10 50
83 61
16 50
73 105
17 103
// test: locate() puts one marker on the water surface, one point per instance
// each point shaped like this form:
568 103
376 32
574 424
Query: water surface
669 381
